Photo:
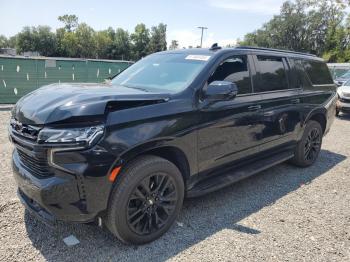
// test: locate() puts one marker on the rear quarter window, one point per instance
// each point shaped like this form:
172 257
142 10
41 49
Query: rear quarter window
317 72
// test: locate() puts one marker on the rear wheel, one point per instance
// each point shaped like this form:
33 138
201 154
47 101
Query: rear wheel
308 148
146 200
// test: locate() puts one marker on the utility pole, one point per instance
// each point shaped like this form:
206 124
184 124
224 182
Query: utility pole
202 28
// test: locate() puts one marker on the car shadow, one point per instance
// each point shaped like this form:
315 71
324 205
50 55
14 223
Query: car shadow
199 219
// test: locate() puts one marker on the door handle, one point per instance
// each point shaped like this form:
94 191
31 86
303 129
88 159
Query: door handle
295 101
254 108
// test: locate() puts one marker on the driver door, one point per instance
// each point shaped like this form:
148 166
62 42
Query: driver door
230 128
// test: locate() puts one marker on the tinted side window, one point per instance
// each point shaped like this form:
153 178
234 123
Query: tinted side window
302 78
318 72
273 74
234 69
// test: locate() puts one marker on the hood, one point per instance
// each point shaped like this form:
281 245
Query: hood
343 91
62 102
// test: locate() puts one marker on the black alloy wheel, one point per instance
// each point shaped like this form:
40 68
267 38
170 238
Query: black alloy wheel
312 144
151 204
146 199
309 146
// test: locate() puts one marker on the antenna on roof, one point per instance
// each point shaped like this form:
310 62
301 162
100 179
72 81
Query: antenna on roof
215 47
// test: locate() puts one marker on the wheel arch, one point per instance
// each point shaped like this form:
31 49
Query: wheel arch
321 119
171 153
319 116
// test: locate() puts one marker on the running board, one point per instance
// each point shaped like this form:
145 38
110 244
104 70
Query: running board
219 181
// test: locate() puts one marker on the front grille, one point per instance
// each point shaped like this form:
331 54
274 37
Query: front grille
346 94
35 165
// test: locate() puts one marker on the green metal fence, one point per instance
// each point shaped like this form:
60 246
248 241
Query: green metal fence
21 75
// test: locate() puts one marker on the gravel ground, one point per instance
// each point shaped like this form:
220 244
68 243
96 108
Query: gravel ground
283 214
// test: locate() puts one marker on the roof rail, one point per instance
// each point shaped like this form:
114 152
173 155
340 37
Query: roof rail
275 50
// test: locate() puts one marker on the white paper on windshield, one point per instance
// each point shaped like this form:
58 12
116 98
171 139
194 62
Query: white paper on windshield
198 57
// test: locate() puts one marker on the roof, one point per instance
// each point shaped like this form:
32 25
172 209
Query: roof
208 51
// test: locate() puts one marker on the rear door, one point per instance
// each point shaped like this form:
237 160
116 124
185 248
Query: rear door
280 93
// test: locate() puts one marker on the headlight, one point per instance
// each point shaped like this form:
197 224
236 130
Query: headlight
84 136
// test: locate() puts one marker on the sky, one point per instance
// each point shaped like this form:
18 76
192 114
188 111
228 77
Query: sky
227 20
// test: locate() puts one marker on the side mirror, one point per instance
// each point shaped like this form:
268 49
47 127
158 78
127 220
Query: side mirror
220 90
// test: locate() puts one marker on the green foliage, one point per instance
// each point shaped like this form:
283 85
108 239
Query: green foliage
103 42
122 45
70 22
11 42
140 39
309 26
39 39
3 41
45 41
69 45
86 41
80 40
174 45
157 41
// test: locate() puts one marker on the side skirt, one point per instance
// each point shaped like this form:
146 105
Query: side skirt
213 183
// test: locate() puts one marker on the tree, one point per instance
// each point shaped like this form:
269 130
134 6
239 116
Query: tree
103 43
174 45
37 39
80 40
86 41
69 45
26 40
3 41
45 42
61 49
303 25
70 22
121 45
158 38
140 41
11 42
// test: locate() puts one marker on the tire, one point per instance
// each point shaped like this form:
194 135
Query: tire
138 217
308 148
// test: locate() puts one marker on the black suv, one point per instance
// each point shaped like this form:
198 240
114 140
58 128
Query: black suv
175 124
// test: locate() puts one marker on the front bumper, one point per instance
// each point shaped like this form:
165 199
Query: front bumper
343 106
79 195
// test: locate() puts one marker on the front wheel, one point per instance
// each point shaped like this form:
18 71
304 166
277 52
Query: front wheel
308 148
146 200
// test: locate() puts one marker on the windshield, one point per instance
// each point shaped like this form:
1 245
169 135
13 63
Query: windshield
347 83
162 72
